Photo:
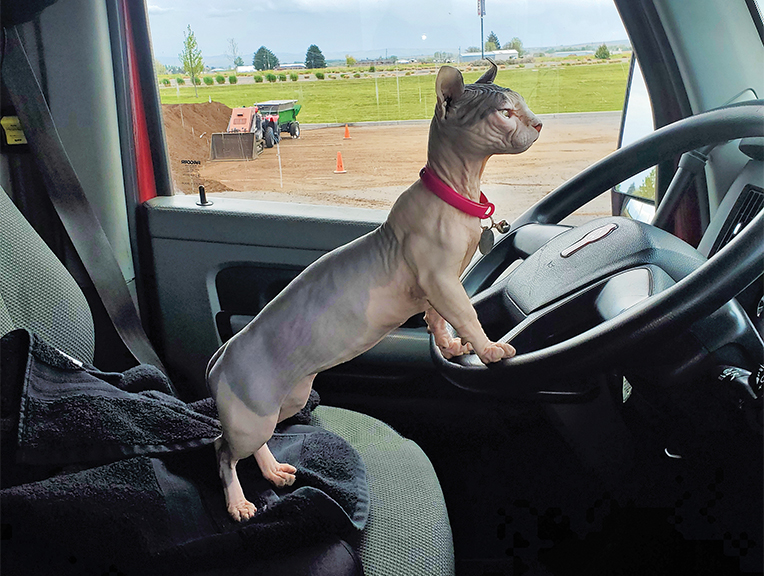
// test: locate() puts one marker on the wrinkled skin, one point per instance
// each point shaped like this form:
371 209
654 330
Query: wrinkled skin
349 299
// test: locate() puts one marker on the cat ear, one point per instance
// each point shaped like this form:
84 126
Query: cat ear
489 75
449 86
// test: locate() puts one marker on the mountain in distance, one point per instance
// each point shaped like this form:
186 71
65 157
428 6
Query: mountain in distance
623 44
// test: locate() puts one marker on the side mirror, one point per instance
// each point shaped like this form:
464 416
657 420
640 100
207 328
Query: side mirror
638 208
635 197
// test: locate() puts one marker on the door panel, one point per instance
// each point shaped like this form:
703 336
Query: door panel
215 267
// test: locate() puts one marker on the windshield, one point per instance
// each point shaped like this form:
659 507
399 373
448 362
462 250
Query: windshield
362 77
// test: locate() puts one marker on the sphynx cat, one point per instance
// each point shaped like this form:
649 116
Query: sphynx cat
349 299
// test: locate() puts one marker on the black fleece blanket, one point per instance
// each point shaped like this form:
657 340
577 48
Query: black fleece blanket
109 472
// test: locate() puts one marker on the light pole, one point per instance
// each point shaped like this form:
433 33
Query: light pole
481 13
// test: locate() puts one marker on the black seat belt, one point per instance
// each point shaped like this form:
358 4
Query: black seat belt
70 202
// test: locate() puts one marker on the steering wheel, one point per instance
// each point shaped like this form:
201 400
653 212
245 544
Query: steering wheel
585 297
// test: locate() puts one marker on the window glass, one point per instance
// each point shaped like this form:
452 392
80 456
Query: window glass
349 117
638 122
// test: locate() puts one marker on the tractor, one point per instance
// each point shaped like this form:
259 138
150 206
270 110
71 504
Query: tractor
242 140
279 116
253 128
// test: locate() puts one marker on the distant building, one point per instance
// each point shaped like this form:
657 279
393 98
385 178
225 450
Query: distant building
573 53
497 55
290 67
243 69
375 62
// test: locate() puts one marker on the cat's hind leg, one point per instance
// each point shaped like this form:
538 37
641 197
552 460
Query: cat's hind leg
297 398
244 434
278 473
236 503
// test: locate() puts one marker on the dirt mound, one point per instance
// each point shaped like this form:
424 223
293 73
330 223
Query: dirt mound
187 129
380 161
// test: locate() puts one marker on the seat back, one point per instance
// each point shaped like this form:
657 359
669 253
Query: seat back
36 290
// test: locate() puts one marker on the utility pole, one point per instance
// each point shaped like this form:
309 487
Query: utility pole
481 13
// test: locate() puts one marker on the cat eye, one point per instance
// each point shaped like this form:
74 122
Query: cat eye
506 112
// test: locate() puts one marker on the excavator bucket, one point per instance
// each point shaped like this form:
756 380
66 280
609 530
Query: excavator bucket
235 146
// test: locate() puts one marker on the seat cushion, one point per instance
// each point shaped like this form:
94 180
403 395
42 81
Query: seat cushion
36 290
408 532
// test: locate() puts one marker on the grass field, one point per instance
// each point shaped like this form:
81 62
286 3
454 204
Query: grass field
547 89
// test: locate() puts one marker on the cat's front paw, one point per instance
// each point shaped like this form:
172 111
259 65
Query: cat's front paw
451 347
495 351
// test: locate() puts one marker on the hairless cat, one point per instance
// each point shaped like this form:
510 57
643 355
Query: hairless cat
349 299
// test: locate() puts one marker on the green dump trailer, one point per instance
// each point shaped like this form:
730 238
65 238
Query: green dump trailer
279 116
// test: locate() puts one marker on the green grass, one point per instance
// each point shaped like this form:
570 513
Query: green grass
546 89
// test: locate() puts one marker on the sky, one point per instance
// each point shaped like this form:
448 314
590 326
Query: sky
371 28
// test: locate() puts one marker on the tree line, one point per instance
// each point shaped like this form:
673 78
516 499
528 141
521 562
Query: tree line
264 59
492 43
192 61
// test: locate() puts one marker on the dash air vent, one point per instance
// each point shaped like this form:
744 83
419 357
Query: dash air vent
750 203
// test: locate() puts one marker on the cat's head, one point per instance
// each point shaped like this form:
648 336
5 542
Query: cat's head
487 118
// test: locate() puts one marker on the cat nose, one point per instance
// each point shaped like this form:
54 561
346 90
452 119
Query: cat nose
538 127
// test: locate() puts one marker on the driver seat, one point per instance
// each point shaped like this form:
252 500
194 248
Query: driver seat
408 531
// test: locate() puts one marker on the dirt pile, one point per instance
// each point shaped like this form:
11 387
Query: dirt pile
380 161
188 128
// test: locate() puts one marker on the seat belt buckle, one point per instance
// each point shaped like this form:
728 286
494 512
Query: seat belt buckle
12 131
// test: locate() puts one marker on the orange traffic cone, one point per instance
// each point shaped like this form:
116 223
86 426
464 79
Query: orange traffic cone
347 132
340 166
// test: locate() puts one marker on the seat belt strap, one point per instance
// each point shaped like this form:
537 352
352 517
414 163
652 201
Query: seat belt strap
70 202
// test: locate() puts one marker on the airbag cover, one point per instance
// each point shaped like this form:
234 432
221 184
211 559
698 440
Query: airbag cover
596 250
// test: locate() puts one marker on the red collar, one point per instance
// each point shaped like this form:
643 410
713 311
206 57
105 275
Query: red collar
483 209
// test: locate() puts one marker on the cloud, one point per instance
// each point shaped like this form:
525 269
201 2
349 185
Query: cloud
322 6
378 26
155 10
224 12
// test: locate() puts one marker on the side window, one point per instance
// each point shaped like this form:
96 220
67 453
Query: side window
308 127
635 196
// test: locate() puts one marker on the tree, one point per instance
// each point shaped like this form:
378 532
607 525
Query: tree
515 44
191 58
232 52
265 59
314 58
349 60
647 188
239 61
472 49
492 43
159 68
602 53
